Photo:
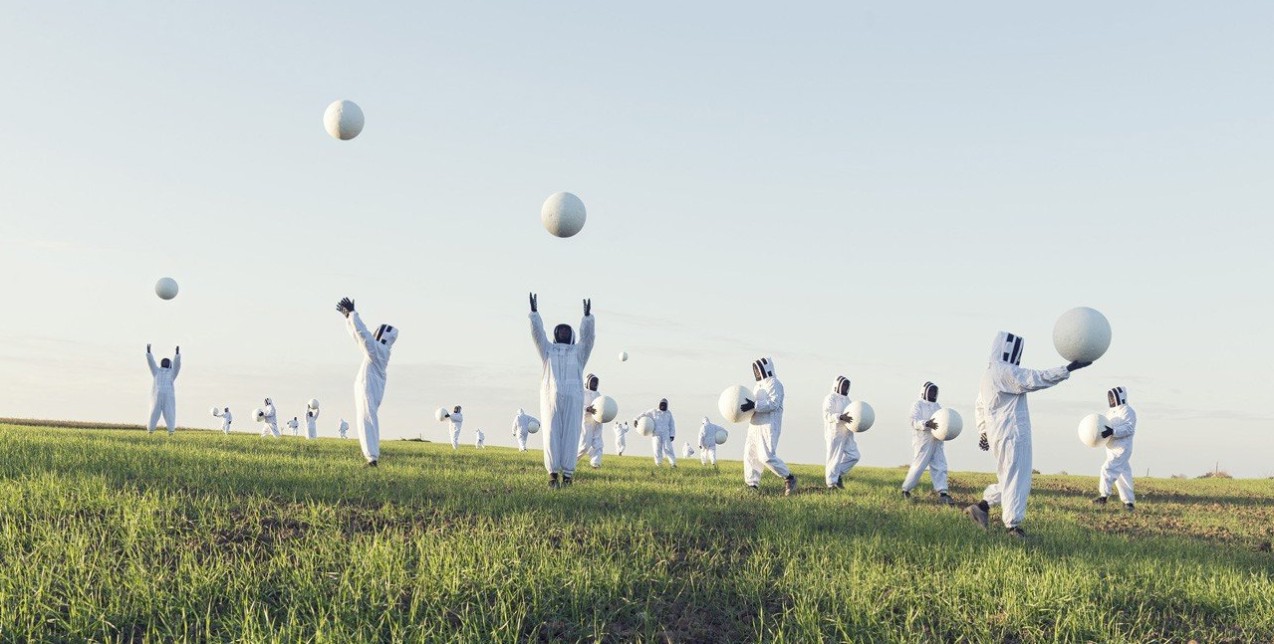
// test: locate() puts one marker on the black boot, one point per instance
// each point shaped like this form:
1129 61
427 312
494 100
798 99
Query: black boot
566 480
1101 500
789 487
553 481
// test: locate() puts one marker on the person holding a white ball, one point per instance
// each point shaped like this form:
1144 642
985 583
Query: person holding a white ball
590 440
929 453
269 420
708 442
456 420
521 428
562 390
294 425
311 423
842 449
1004 420
1118 467
163 398
764 428
665 433
369 384
226 417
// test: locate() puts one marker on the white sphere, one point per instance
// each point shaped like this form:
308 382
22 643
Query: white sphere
729 401
722 436
949 424
343 120
312 405
1082 334
563 214
605 409
166 288
645 426
216 411
623 356
862 413
533 426
1090 430
441 414
258 415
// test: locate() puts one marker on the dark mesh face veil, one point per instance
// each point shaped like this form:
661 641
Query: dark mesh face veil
763 368
841 386
663 405
929 392
563 334
591 382
1117 396
166 363
1007 348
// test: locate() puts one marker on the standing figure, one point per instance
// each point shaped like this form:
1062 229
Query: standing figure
343 429
764 428
665 433
686 450
521 428
1118 467
562 390
269 420
842 448
369 384
293 425
590 440
311 424
928 451
456 420
708 442
480 441
226 418
621 438
1004 421
163 399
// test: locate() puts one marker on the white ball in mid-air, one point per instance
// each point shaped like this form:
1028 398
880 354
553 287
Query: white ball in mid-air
343 120
1090 430
166 288
216 411
563 214
605 409
862 413
722 436
441 414
729 402
623 356
258 415
645 426
1082 334
949 424
533 426
312 405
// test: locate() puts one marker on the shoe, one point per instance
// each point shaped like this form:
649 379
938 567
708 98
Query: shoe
839 484
978 515
1016 533
945 499
566 480
370 464
906 495
1129 507
553 484
597 467
754 488
1101 500
789 487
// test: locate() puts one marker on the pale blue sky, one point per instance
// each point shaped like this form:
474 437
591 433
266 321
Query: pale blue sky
867 190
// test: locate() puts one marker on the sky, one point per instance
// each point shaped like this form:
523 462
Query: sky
870 190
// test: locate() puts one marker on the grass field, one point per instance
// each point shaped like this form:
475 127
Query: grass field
114 535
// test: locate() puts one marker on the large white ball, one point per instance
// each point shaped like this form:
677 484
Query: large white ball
605 409
1082 334
949 424
312 405
441 414
623 356
729 401
533 426
258 415
563 214
343 120
166 288
216 411
1090 430
645 426
862 413
722 436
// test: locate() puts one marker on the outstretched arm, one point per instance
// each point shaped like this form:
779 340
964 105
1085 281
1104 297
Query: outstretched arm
359 332
537 334
587 335
1016 380
177 364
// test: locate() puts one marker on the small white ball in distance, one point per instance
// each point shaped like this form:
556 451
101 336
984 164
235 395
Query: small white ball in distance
950 424
166 288
623 356
730 400
645 426
533 426
1090 430
343 120
862 413
605 409
1082 335
312 405
722 436
441 414
258 415
563 214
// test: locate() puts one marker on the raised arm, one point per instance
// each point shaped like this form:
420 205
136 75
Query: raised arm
150 360
587 335
177 364
537 335
1016 380
359 332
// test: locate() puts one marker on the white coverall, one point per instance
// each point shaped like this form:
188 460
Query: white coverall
270 424
764 429
226 418
842 447
163 400
521 429
590 440
928 451
1003 415
686 450
293 425
562 393
665 433
456 419
621 438
708 442
311 424
344 427
1118 467
480 440
369 384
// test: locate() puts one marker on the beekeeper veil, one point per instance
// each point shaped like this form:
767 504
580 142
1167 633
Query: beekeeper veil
1007 348
763 368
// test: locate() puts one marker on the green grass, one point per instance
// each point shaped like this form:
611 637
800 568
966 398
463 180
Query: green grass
114 535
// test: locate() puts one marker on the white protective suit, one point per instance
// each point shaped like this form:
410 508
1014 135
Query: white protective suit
562 393
590 440
226 419
1118 467
311 424
842 447
621 438
480 440
764 427
686 450
456 419
521 429
708 442
927 450
293 425
369 384
270 424
344 427
665 433
1002 414
163 399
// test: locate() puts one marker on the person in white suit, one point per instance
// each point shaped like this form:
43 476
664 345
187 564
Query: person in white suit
1117 469
163 397
562 390
369 383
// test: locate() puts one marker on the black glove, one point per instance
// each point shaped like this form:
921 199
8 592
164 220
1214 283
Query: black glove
1108 432
672 438
747 405
178 350
590 409
534 307
983 443
588 307
1076 365
148 348
345 306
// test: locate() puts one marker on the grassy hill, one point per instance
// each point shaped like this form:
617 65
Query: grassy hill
116 535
